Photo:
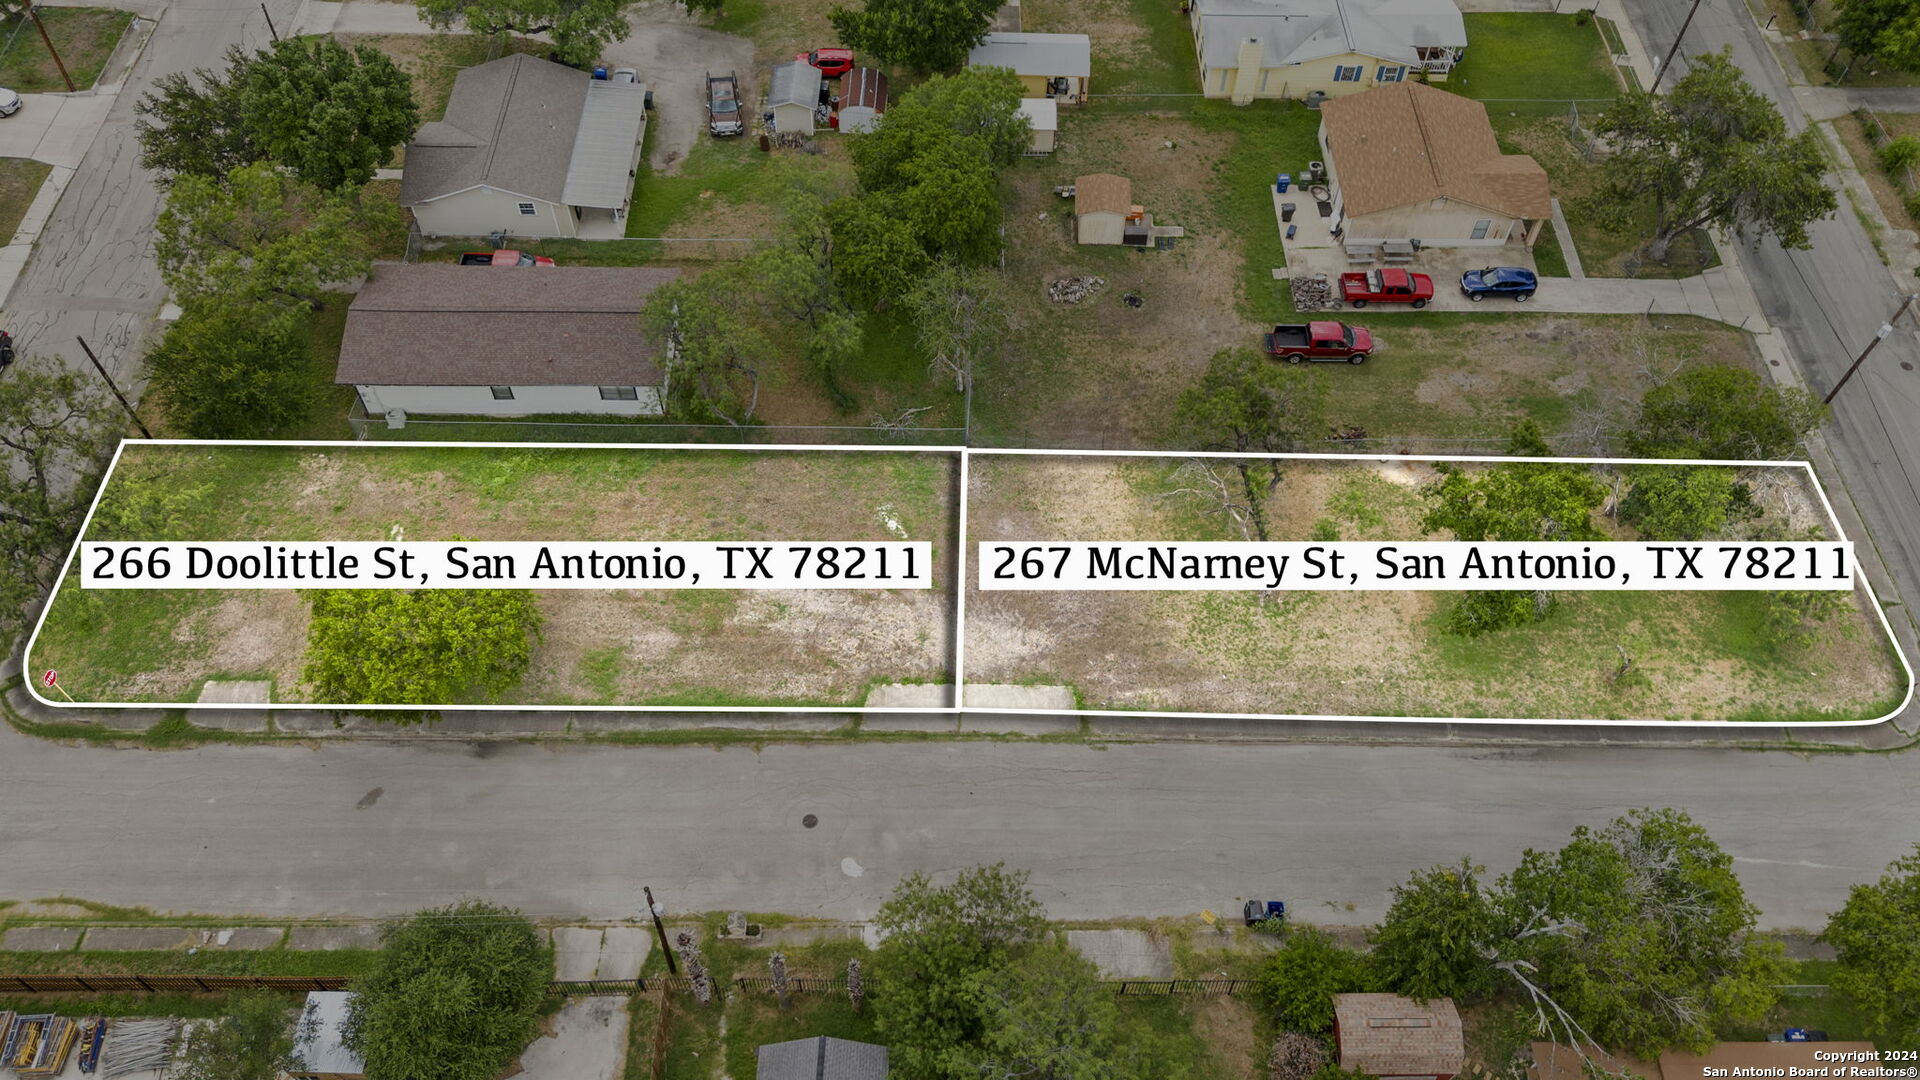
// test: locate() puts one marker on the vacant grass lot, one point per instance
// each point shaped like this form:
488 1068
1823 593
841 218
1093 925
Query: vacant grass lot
1516 59
434 59
20 180
1698 656
597 647
85 38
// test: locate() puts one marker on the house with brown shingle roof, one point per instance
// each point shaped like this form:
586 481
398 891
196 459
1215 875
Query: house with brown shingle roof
1409 162
1101 203
437 338
1390 1036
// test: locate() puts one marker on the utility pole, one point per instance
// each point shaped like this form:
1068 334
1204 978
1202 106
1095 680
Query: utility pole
1885 331
653 910
270 29
51 51
1677 38
115 389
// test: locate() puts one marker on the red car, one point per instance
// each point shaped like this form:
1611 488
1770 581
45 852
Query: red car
832 62
504 257
1330 341
1388 286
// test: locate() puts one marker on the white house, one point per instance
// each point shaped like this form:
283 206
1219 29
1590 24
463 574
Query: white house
1298 48
794 97
1053 66
1043 115
438 338
528 148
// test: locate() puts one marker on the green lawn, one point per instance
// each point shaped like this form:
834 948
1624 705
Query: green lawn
20 180
278 960
84 38
1548 257
1139 46
1533 55
1268 137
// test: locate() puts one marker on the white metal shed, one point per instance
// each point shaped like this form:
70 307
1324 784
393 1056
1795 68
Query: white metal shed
794 96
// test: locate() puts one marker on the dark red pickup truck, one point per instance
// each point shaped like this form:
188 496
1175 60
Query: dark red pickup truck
1387 286
1321 341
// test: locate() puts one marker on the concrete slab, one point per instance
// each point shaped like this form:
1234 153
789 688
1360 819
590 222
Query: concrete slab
1124 954
328 938
54 128
576 951
40 938
1010 696
237 691
138 938
1015 724
910 696
42 206
242 937
909 722
623 949
585 1040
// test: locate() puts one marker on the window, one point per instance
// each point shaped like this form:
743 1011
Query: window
1347 74
526 208
619 393
502 393
1481 228
1390 74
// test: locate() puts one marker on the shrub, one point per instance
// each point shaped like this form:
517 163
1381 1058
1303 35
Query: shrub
1900 153
1300 979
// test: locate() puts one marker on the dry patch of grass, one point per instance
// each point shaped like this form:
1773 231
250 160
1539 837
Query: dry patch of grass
434 59
1860 143
85 38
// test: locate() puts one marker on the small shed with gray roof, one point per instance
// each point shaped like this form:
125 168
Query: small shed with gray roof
1387 1035
438 338
528 148
794 97
821 1058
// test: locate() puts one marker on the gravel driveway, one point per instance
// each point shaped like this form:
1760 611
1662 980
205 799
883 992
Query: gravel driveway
673 57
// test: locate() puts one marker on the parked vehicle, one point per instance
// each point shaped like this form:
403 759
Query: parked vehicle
1515 281
624 75
1259 911
503 257
723 105
832 62
9 102
1386 286
1329 341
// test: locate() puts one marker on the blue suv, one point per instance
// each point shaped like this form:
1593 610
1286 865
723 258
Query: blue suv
1517 282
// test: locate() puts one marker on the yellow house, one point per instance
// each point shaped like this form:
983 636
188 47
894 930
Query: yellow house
1054 66
1327 48
1408 162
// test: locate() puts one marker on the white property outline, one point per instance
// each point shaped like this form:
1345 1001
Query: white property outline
957 708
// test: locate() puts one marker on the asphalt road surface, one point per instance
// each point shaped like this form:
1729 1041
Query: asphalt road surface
372 829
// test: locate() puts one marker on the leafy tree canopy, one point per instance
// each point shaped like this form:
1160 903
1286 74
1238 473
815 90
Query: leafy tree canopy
715 352
1878 951
1685 502
57 430
229 370
925 36
1430 944
1727 413
427 647
253 1041
962 317
1299 980
1046 1016
1886 30
1515 502
455 994
579 29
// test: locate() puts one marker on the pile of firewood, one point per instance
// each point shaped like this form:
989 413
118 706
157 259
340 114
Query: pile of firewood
1072 290
1313 293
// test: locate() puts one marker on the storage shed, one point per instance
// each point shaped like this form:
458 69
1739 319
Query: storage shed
318 1047
1101 204
795 97
1389 1035
863 99
1044 116
821 1058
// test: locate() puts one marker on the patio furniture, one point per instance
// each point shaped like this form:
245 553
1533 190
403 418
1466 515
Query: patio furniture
1361 254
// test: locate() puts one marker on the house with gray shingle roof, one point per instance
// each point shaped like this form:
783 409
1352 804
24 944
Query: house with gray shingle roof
444 339
821 1058
527 148
1298 48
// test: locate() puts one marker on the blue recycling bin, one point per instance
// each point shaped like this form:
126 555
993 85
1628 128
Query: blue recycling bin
1282 182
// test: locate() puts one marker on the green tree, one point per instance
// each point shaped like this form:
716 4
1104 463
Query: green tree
263 237
1684 502
428 647
796 278
1898 154
58 430
1432 942
1886 30
454 995
877 256
925 36
1046 1016
1878 952
1791 620
579 29
1516 502
1712 152
330 114
1246 404
961 315
232 370
1723 413
937 943
714 352
981 105
1299 980
1639 933
253 1041
195 130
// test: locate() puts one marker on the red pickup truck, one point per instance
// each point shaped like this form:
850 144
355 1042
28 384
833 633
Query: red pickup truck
1321 341
1388 286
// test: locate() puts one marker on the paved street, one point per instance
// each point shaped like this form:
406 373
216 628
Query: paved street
371 829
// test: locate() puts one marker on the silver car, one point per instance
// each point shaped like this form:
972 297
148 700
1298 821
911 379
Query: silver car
9 102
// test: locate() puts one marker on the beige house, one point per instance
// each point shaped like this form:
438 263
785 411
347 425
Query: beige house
528 148
1053 66
1387 1035
438 338
1102 202
1408 162
1322 48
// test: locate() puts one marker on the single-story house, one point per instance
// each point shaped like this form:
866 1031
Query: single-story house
1409 162
1387 1035
528 148
1302 48
821 1058
794 97
1102 202
1053 66
318 1044
1043 115
863 98
437 338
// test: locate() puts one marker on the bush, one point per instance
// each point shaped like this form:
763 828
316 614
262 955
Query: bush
1900 153
1299 980
1912 203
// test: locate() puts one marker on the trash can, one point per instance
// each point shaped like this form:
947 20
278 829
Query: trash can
1282 181
1290 230
1286 210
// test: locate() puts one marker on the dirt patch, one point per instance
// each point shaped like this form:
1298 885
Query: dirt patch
1229 1028
673 55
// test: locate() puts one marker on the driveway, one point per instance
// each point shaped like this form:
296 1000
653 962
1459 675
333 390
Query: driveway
673 57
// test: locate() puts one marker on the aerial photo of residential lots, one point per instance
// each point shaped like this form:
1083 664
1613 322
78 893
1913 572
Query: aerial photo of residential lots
959 539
